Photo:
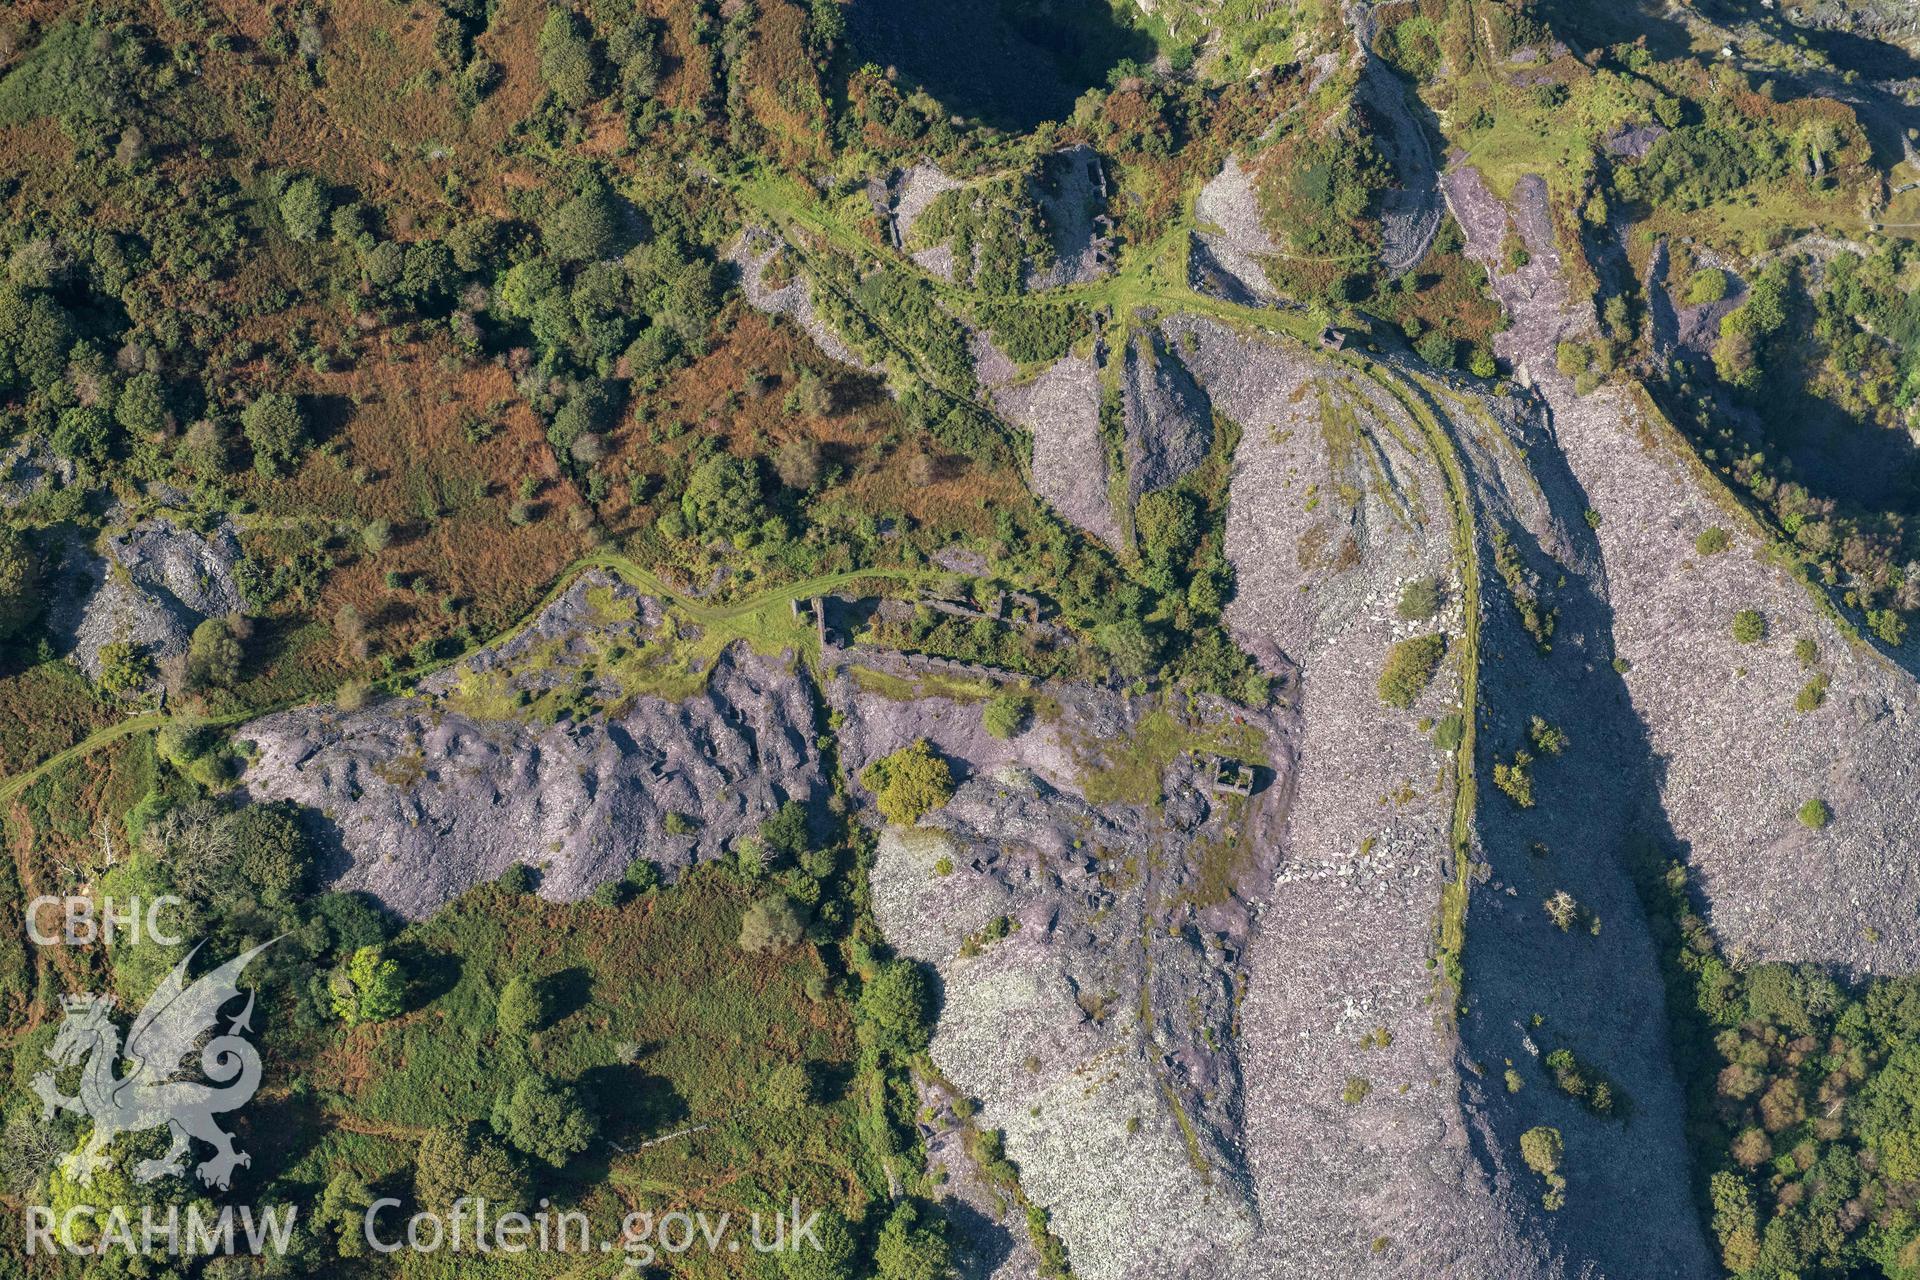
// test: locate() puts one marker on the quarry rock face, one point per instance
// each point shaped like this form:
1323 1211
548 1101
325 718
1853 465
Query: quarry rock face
1738 757
149 587
418 800
1091 954
1169 420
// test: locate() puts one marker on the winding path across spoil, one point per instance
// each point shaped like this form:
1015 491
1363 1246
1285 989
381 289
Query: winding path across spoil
727 616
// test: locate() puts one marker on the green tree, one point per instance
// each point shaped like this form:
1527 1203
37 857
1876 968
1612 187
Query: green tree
896 1003
908 783
566 59
785 833
277 429
723 496
1815 814
370 988
1542 1148
141 409
912 1245
35 334
19 582
124 669
303 209
1749 626
587 228
341 1214
1736 1222
213 655
272 858
545 1120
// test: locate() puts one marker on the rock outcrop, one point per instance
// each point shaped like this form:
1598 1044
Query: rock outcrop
150 587
422 797
1091 954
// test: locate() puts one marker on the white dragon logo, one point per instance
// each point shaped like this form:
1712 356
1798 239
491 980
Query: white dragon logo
175 1018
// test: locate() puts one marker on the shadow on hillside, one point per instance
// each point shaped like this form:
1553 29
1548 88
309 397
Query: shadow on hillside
1582 25
1597 987
1013 64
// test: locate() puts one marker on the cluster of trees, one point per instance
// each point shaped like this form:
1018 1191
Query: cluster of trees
1806 1095
1860 534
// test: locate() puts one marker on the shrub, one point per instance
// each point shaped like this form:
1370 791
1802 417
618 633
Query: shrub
1542 1148
1356 1091
1749 626
1707 285
789 1087
1419 600
1812 694
82 434
1450 732
1806 651
641 876
1410 668
1546 737
377 536
521 1009
908 783
1713 541
1516 779
1814 814
1586 1084
1006 716
833 1257
773 923
453 1162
